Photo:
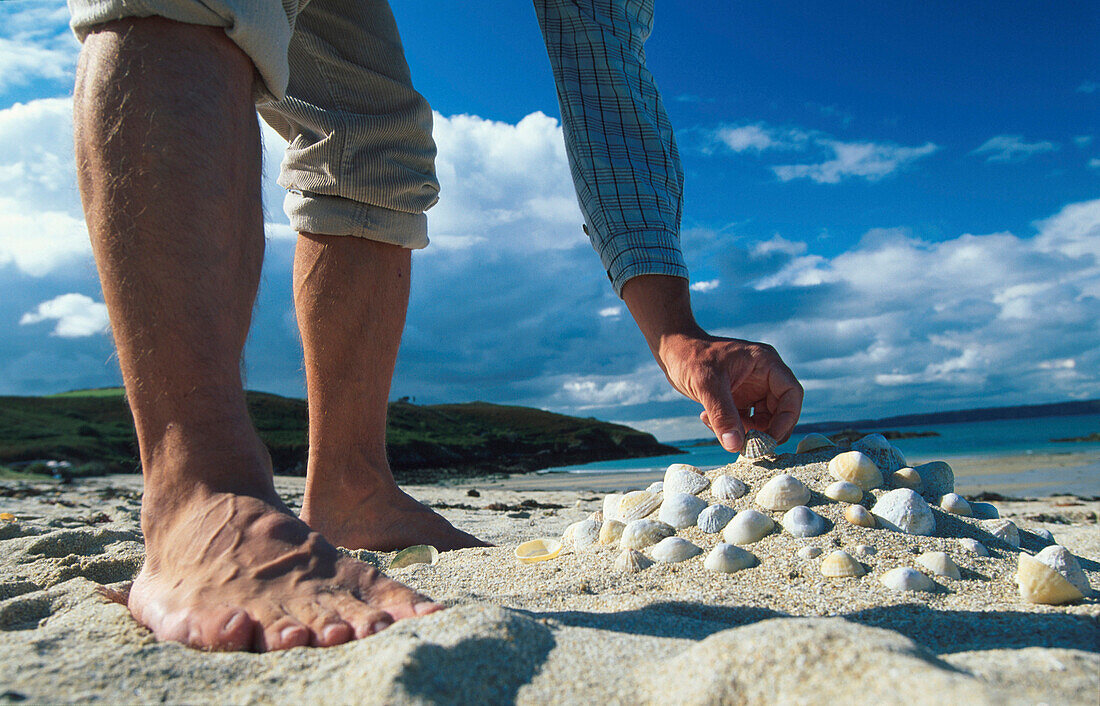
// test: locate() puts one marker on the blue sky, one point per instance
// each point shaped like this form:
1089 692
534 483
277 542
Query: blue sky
905 201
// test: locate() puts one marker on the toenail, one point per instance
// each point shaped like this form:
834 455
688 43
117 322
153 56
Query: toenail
380 625
425 607
290 633
233 623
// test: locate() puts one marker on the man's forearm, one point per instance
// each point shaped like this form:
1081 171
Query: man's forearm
661 306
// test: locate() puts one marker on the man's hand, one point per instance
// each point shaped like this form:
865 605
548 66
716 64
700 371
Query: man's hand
741 384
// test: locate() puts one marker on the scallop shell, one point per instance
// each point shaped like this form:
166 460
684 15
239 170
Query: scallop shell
973 546
905 578
856 467
1061 560
840 564
636 505
859 516
632 561
1041 584
844 492
727 488
801 521
872 442
656 487
940 564
538 550
586 533
809 552
956 505
906 478
902 510
672 550
747 527
611 506
1004 530
886 456
729 558
682 478
757 445
984 511
714 518
611 532
681 509
783 492
596 516
937 479
419 554
814 442
865 550
640 534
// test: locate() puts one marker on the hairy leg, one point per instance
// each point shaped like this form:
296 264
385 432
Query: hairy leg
351 295
168 159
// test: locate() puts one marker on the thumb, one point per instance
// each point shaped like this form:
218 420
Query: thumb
722 416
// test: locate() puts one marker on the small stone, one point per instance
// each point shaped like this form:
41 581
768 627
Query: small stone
956 505
984 511
865 550
809 552
1004 530
940 564
905 578
973 546
902 510
937 479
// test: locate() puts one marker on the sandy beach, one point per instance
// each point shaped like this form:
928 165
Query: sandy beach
569 630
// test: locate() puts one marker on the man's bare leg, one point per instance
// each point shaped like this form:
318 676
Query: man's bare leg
351 295
168 157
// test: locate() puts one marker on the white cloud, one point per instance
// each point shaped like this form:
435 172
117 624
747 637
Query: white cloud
1094 163
777 244
611 311
37 45
868 160
1087 87
1083 140
1012 148
77 316
705 286
644 385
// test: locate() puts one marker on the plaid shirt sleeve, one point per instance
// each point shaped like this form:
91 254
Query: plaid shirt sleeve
622 153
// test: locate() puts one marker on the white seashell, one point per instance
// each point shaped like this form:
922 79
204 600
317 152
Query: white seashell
973 546
841 564
729 558
538 550
902 510
418 554
856 467
885 455
636 505
1004 530
801 521
611 531
681 509
682 478
586 534
727 488
809 552
611 506
905 578
984 511
757 445
814 442
596 516
871 442
640 534
940 564
865 550
1061 560
1044 534
1041 584
956 505
783 492
844 492
671 550
632 561
937 479
905 478
714 518
859 516
747 527
567 535
656 486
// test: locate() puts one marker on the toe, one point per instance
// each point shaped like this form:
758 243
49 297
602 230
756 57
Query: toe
228 629
283 634
364 619
395 598
326 626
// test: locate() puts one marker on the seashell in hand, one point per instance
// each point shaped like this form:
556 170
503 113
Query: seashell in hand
856 467
1040 583
632 561
809 552
656 487
814 442
636 505
611 531
728 558
419 554
672 550
801 521
757 445
956 505
844 492
984 511
940 564
682 478
727 489
937 479
840 564
747 527
714 518
902 510
973 546
905 578
611 506
859 516
1061 560
681 509
783 492
640 534
538 550
1004 530
905 478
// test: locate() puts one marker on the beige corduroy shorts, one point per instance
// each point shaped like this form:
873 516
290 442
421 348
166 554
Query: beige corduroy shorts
333 81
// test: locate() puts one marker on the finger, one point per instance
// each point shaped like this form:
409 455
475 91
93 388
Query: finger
789 406
705 419
724 417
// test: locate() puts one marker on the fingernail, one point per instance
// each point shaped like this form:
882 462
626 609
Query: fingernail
731 442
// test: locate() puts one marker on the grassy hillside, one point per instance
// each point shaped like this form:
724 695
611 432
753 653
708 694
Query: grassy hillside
94 431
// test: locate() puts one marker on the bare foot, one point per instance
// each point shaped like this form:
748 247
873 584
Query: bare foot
228 571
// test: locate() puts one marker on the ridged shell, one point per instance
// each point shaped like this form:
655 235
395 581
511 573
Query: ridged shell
1004 530
973 546
937 479
632 561
905 478
682 478
886 456
726 489
783 492
871 442
419 554
586 533
956 505
844 492
1061 560
1041 584
859 516
757 445
809 552
728 558
840 564
611 531
611 506
748 526
813 442
940 564
597 516
636 505
902 510
681 510
538 550
905 578
672 550
856 467
640 534
801 521
656 487
714 518
984 511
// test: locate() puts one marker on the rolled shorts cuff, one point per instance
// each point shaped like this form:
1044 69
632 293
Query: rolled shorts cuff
333 215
